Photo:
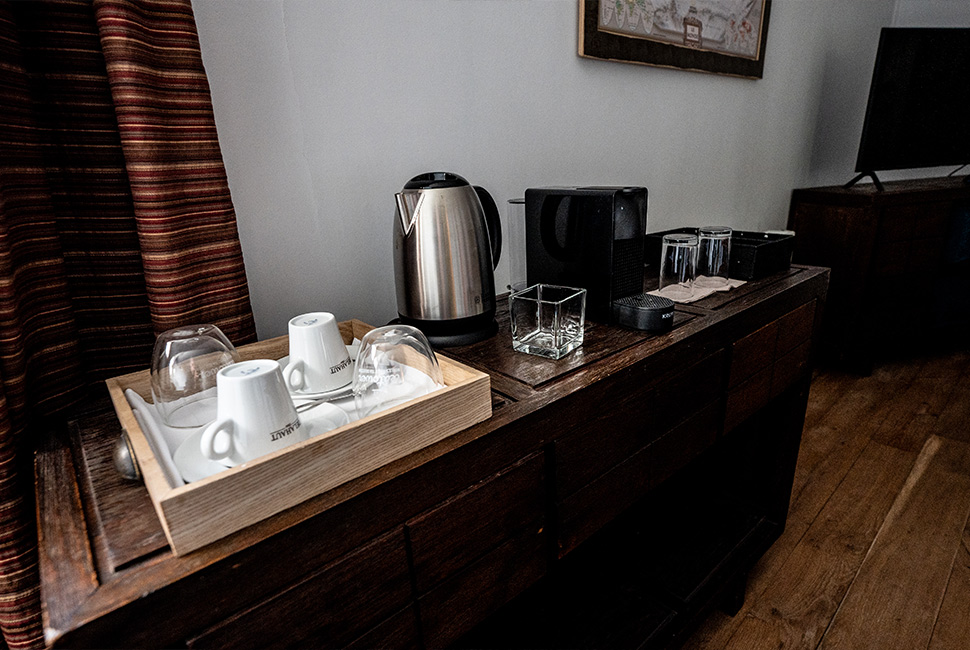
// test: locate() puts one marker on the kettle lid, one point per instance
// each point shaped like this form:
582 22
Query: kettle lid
435 181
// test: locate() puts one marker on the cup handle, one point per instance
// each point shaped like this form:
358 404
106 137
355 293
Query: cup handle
294 370
208 442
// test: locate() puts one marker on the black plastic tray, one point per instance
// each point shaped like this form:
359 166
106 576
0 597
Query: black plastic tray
753 254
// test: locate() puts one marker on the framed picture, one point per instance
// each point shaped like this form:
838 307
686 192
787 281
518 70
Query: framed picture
719 36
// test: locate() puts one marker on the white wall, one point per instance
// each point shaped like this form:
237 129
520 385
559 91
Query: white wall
932 13
326 108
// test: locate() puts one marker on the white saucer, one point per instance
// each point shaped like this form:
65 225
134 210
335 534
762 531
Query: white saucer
324 417
336 392
194 466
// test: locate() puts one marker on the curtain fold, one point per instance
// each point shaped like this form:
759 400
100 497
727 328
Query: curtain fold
116 223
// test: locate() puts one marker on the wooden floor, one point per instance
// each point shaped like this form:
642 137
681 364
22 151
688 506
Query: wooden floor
876 553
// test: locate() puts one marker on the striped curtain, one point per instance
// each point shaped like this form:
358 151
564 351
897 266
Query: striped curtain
115 224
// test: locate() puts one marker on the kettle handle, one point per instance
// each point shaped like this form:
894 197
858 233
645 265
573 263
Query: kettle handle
493 222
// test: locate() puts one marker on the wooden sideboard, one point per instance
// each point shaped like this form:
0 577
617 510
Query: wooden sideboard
613 498
900 262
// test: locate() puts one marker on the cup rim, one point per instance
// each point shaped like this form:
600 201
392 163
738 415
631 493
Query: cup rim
576 291
324 316
680 238
263 367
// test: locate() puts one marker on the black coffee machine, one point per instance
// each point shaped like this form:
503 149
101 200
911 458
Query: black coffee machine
592 237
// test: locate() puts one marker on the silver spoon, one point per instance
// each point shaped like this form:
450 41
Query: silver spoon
306 406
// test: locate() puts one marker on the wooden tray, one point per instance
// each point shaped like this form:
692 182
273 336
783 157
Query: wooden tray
202 512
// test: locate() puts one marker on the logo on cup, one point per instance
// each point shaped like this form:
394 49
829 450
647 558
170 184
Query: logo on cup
285 431
340 366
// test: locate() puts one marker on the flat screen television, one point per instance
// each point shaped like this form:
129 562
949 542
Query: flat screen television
918 113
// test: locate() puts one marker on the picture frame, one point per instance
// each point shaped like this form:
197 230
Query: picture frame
716 36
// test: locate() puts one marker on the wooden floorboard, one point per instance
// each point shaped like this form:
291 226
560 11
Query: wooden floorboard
876 553
954 422
896 596
795 611
952 629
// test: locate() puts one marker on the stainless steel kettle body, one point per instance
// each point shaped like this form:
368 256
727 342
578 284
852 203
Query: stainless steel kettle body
447 242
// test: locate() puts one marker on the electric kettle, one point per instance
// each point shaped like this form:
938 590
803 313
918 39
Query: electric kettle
447 243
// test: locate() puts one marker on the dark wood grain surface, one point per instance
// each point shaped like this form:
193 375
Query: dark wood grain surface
893 281
108 579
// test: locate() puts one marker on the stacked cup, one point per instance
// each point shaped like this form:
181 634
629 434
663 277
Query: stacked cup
319 361
256 415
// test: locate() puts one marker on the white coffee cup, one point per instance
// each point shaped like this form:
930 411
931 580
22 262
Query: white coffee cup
255 414
319 360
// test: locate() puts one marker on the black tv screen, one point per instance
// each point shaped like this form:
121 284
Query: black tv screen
919 101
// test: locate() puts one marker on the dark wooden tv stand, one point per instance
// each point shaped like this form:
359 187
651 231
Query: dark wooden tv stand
900 261
612 500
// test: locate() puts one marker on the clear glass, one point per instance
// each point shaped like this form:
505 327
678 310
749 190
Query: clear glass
185 362
395 364
713 256
516 245
547 320
678 266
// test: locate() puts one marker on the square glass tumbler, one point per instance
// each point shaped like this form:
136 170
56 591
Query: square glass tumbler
547 320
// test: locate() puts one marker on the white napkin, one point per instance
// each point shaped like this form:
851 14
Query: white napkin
150 425
699 292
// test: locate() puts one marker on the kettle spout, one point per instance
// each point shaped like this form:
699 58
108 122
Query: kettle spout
407 207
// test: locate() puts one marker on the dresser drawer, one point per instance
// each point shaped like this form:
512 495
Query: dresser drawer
336 604
765 363
744 401
753 353
633 423
789 367
399 632
926 255
795 328
458 604
889 258
589 509
447 538
896 223
914 221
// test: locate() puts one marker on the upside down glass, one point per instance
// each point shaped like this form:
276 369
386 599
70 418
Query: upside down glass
395 364
678 266
185 362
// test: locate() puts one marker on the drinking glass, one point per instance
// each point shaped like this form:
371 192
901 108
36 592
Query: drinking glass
516 245
713 256
185 363
395 364
547 320
678 266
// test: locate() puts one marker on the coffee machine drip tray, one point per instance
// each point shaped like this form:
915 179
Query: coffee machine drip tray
452 333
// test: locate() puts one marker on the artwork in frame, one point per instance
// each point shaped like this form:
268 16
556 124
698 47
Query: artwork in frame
718 36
